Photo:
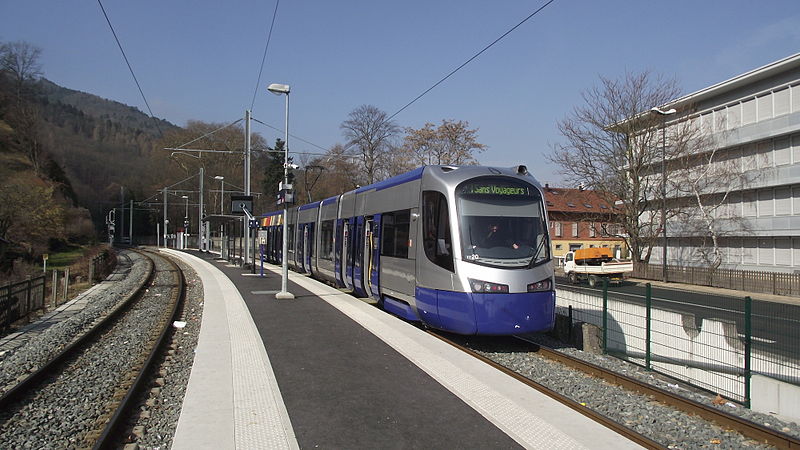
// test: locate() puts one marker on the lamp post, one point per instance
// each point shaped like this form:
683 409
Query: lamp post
222 193
221 212
283 89
664 115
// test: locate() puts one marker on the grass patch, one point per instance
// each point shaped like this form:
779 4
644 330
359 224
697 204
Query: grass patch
65 258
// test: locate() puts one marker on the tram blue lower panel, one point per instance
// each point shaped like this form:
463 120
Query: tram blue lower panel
426 300
514 313
489 314
399 308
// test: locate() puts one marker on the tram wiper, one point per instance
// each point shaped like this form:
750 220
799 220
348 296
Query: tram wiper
471 239
538 250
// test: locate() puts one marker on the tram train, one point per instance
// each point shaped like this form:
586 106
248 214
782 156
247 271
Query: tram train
463 249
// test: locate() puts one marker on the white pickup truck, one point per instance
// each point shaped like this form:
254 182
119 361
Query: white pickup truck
595 264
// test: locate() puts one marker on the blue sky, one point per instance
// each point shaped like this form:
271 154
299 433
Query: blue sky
200 59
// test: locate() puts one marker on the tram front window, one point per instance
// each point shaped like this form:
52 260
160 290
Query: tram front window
502 223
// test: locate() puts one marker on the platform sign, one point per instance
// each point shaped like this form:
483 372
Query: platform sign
240 202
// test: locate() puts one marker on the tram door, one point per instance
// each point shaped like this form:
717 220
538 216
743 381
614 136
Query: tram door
337 245
375 258
347 254
358 257
369 260
308 236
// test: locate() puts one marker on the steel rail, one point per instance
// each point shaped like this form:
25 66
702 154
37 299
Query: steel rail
743 426
111 433
21 388
629 433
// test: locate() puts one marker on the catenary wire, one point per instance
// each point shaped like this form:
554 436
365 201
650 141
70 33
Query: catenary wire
130 68
264 57
290 134
210 133
469 60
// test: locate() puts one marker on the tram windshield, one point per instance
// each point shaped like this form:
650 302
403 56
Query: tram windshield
502 223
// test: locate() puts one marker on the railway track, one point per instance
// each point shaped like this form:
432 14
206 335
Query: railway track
726 422
750 429
81 397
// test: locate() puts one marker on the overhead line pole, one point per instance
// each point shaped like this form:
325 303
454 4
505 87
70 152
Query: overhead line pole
201 242
166 221
247 183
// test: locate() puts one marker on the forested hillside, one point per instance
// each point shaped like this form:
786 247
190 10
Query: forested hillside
63 156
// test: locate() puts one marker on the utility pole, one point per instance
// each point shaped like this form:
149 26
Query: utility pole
246 227
130 225
200 235
122 215
166 221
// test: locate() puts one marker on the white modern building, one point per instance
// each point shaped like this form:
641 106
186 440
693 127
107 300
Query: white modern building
754 119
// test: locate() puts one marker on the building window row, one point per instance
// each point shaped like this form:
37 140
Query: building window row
594 229
767 202
768 251
777 102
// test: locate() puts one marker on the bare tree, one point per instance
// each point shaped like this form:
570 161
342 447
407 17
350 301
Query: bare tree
369 134
609 148
342 173
20 62
452 142
20 69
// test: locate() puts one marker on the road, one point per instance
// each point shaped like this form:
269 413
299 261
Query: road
775 326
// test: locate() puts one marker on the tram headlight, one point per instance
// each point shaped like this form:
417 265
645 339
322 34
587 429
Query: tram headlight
485 287
541 286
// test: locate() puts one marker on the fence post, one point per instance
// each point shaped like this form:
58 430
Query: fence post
648 310
748 338
55 286
44 292
605 315
66 285
28 295
569 329
774 283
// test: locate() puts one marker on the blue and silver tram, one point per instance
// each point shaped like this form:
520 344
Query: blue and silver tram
463 249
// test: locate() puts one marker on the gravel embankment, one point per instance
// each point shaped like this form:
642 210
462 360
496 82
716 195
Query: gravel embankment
661 423
131 271
159 413
63 411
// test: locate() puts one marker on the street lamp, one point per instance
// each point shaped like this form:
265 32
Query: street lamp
283 89
186 211
222 194
664 115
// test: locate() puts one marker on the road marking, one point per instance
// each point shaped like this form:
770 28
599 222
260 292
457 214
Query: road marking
264 292
754 338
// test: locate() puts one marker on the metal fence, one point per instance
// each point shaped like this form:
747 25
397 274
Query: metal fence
741 280
17 300
718 347
101 266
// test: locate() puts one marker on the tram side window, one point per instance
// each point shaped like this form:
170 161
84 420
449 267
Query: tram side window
291 238
396 226
436 230
326 240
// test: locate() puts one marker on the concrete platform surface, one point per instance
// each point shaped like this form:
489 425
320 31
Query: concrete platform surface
328 370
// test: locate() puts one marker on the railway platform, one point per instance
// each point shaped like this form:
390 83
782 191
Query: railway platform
327 370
